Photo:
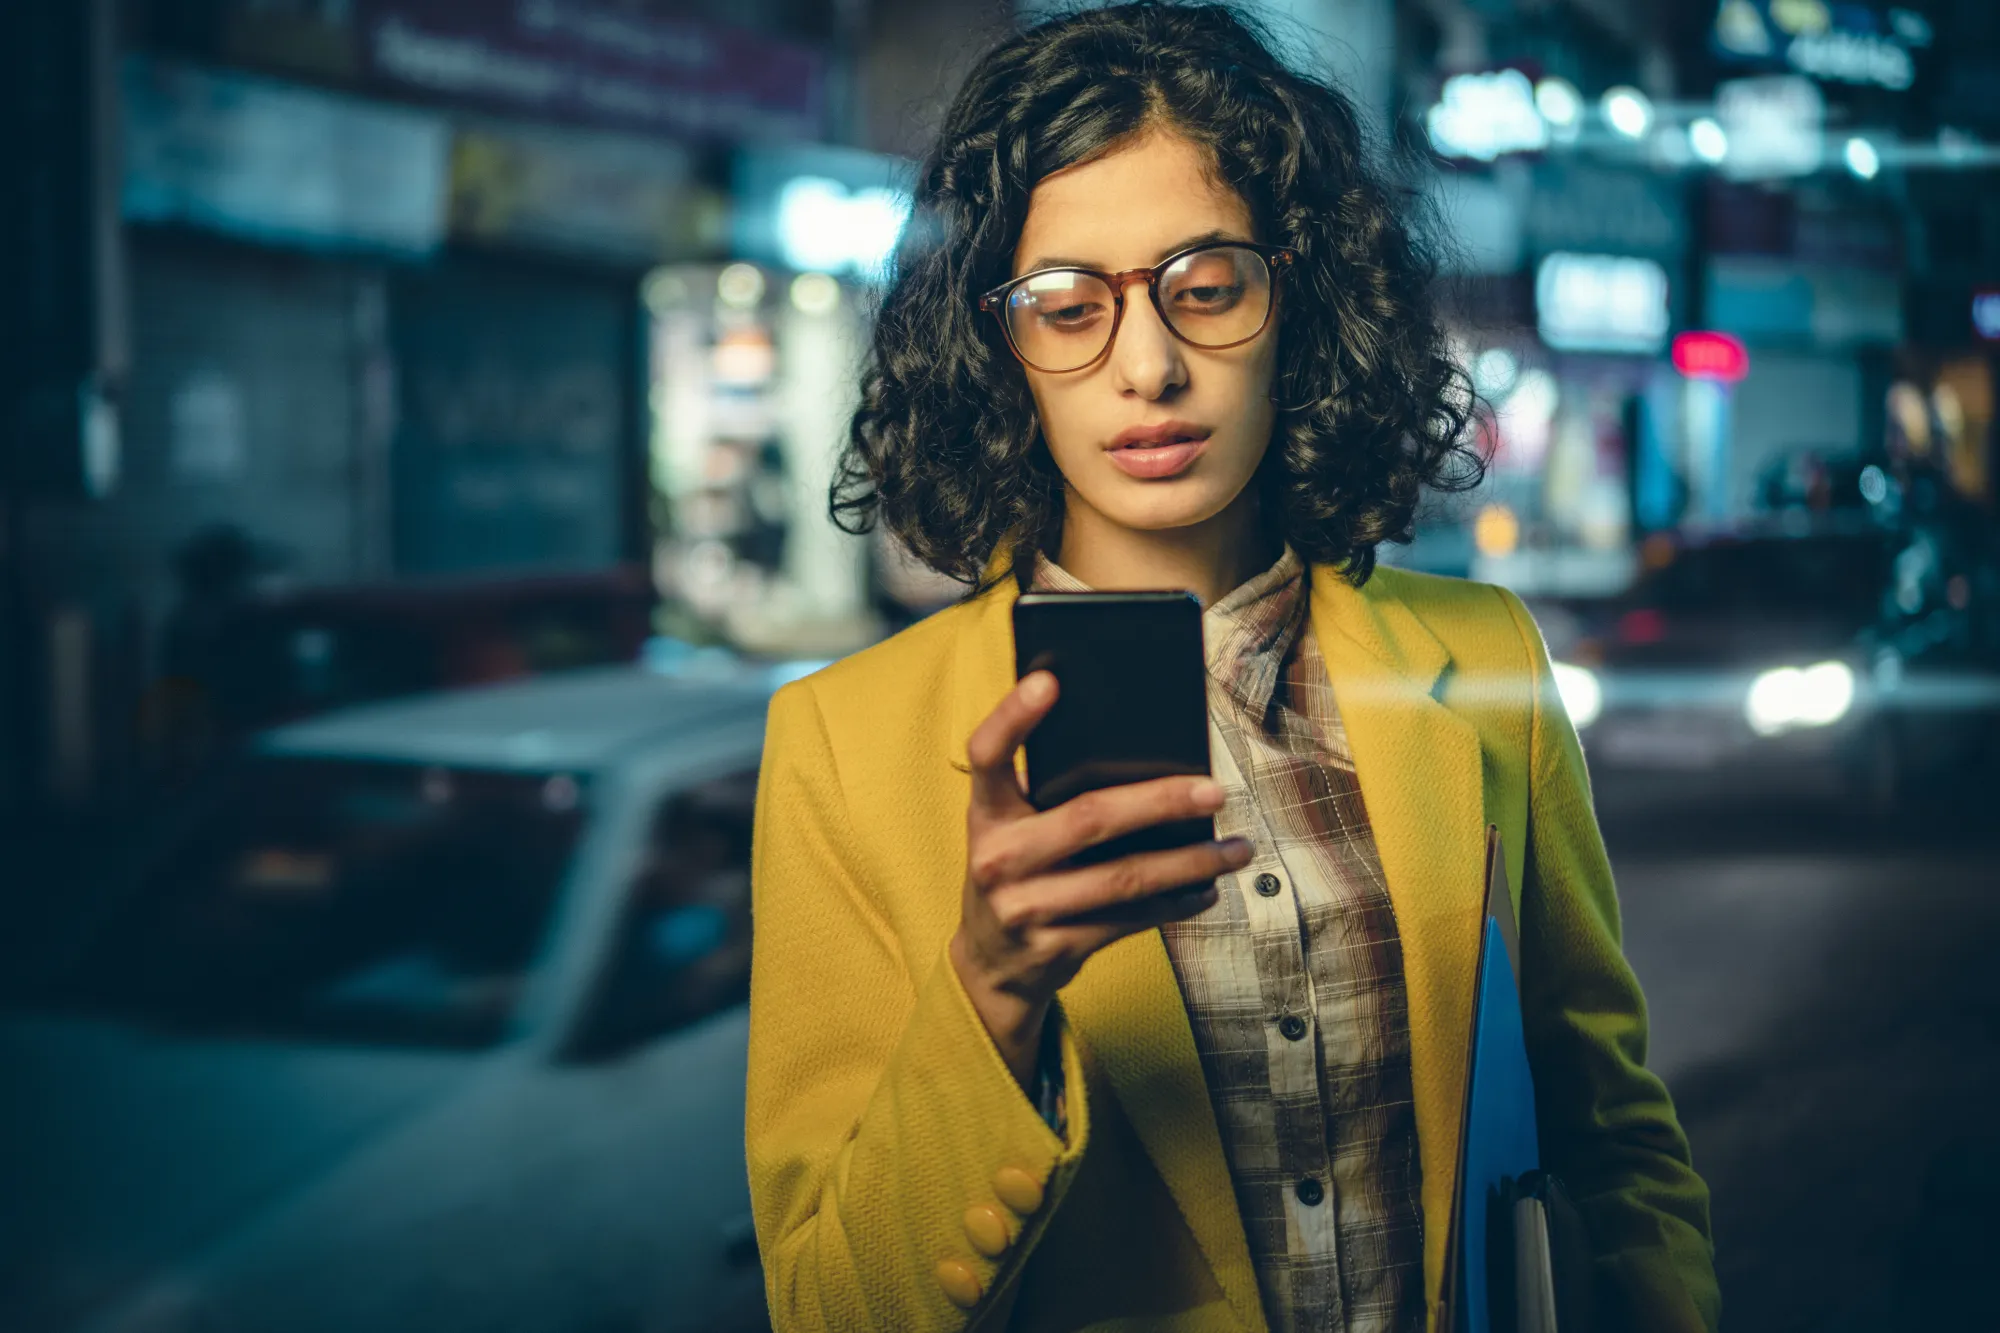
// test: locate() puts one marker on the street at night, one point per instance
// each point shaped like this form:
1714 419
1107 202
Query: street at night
1826 1012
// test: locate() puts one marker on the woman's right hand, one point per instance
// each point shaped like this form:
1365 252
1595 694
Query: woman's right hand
1017 943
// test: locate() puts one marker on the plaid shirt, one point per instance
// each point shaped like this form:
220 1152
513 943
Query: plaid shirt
1294 983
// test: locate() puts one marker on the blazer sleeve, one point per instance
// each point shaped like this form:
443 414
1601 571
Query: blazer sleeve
878 1113
1607 1125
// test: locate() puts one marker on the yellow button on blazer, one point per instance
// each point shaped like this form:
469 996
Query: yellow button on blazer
891 1153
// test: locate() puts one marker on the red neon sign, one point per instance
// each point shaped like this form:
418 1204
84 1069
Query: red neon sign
1711 356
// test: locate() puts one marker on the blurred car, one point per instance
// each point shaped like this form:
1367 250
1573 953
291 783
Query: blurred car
246 659
430 1017
1778 661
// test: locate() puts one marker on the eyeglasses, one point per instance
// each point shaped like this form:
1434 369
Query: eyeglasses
1211 296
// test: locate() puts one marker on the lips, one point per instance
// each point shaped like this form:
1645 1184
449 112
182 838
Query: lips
1158 434
1155 452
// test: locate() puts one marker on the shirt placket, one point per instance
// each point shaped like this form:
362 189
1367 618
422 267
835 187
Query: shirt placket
1286 981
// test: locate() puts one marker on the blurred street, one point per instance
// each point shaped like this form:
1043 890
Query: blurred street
1826 1014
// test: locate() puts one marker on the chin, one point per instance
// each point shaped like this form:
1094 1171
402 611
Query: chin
1154 506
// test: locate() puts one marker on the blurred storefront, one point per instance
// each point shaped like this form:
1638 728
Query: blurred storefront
383 341
1686 271
1570 283
756 364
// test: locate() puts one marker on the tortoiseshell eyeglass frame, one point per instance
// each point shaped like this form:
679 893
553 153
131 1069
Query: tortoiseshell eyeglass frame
1276 259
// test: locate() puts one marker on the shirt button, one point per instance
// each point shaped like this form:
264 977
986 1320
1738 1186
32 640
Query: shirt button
1292 1026
1309 1191
1268 885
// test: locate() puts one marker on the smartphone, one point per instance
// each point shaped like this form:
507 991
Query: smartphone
1131 703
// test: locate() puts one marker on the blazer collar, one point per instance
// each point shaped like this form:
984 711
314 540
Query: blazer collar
985 667
1378 623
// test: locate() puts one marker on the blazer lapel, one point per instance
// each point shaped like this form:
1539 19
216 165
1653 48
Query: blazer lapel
984 670
1126 1008
1421 779
1126 1005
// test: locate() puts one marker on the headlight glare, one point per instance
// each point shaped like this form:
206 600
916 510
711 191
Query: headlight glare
1788 697
1583 698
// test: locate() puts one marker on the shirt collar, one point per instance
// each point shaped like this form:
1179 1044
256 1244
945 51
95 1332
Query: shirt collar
1247 634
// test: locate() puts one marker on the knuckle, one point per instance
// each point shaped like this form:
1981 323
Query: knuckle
987 863
1015 915
1125 879
1090 817
1060 957
1043 953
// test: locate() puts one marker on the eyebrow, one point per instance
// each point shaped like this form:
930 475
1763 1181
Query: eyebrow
1059 261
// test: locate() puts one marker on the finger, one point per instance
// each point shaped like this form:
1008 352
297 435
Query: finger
1106 925
1067 895
991 749
1033 844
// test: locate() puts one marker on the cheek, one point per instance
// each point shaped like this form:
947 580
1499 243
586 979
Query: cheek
1256 383
1059 411
1264 372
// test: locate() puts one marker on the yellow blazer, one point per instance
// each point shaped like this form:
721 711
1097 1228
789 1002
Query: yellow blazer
900 1178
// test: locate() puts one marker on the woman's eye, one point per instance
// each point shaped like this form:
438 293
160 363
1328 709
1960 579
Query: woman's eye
1068 316
1209 298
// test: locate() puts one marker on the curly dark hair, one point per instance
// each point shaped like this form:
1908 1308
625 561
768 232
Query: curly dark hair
944 448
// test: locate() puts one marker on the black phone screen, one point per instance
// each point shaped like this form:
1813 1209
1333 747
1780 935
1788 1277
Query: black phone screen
1132 700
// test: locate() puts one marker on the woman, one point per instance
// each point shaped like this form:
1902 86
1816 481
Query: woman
1157 325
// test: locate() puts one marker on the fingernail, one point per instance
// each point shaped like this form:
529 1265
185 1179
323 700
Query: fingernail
1238 851
1208 794
1038 688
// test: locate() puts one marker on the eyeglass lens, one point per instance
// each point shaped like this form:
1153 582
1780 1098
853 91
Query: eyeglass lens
1061 320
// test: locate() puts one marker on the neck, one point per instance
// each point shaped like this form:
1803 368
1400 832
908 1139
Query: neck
1208 559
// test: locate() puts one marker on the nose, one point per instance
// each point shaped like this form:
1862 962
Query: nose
1145 356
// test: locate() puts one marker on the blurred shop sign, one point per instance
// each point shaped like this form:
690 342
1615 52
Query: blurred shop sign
1597 209
824 227
569 191
818 208
1841 43
1601 303
1775 126
1706 355
596 62
1484 115
1986 314
274 162
1780 301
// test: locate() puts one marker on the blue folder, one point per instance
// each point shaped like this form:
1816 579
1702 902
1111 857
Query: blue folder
1497 1141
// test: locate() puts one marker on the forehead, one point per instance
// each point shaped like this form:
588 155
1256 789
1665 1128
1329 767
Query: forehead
1129 207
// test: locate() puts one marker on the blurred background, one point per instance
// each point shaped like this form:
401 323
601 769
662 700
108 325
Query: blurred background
417 420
